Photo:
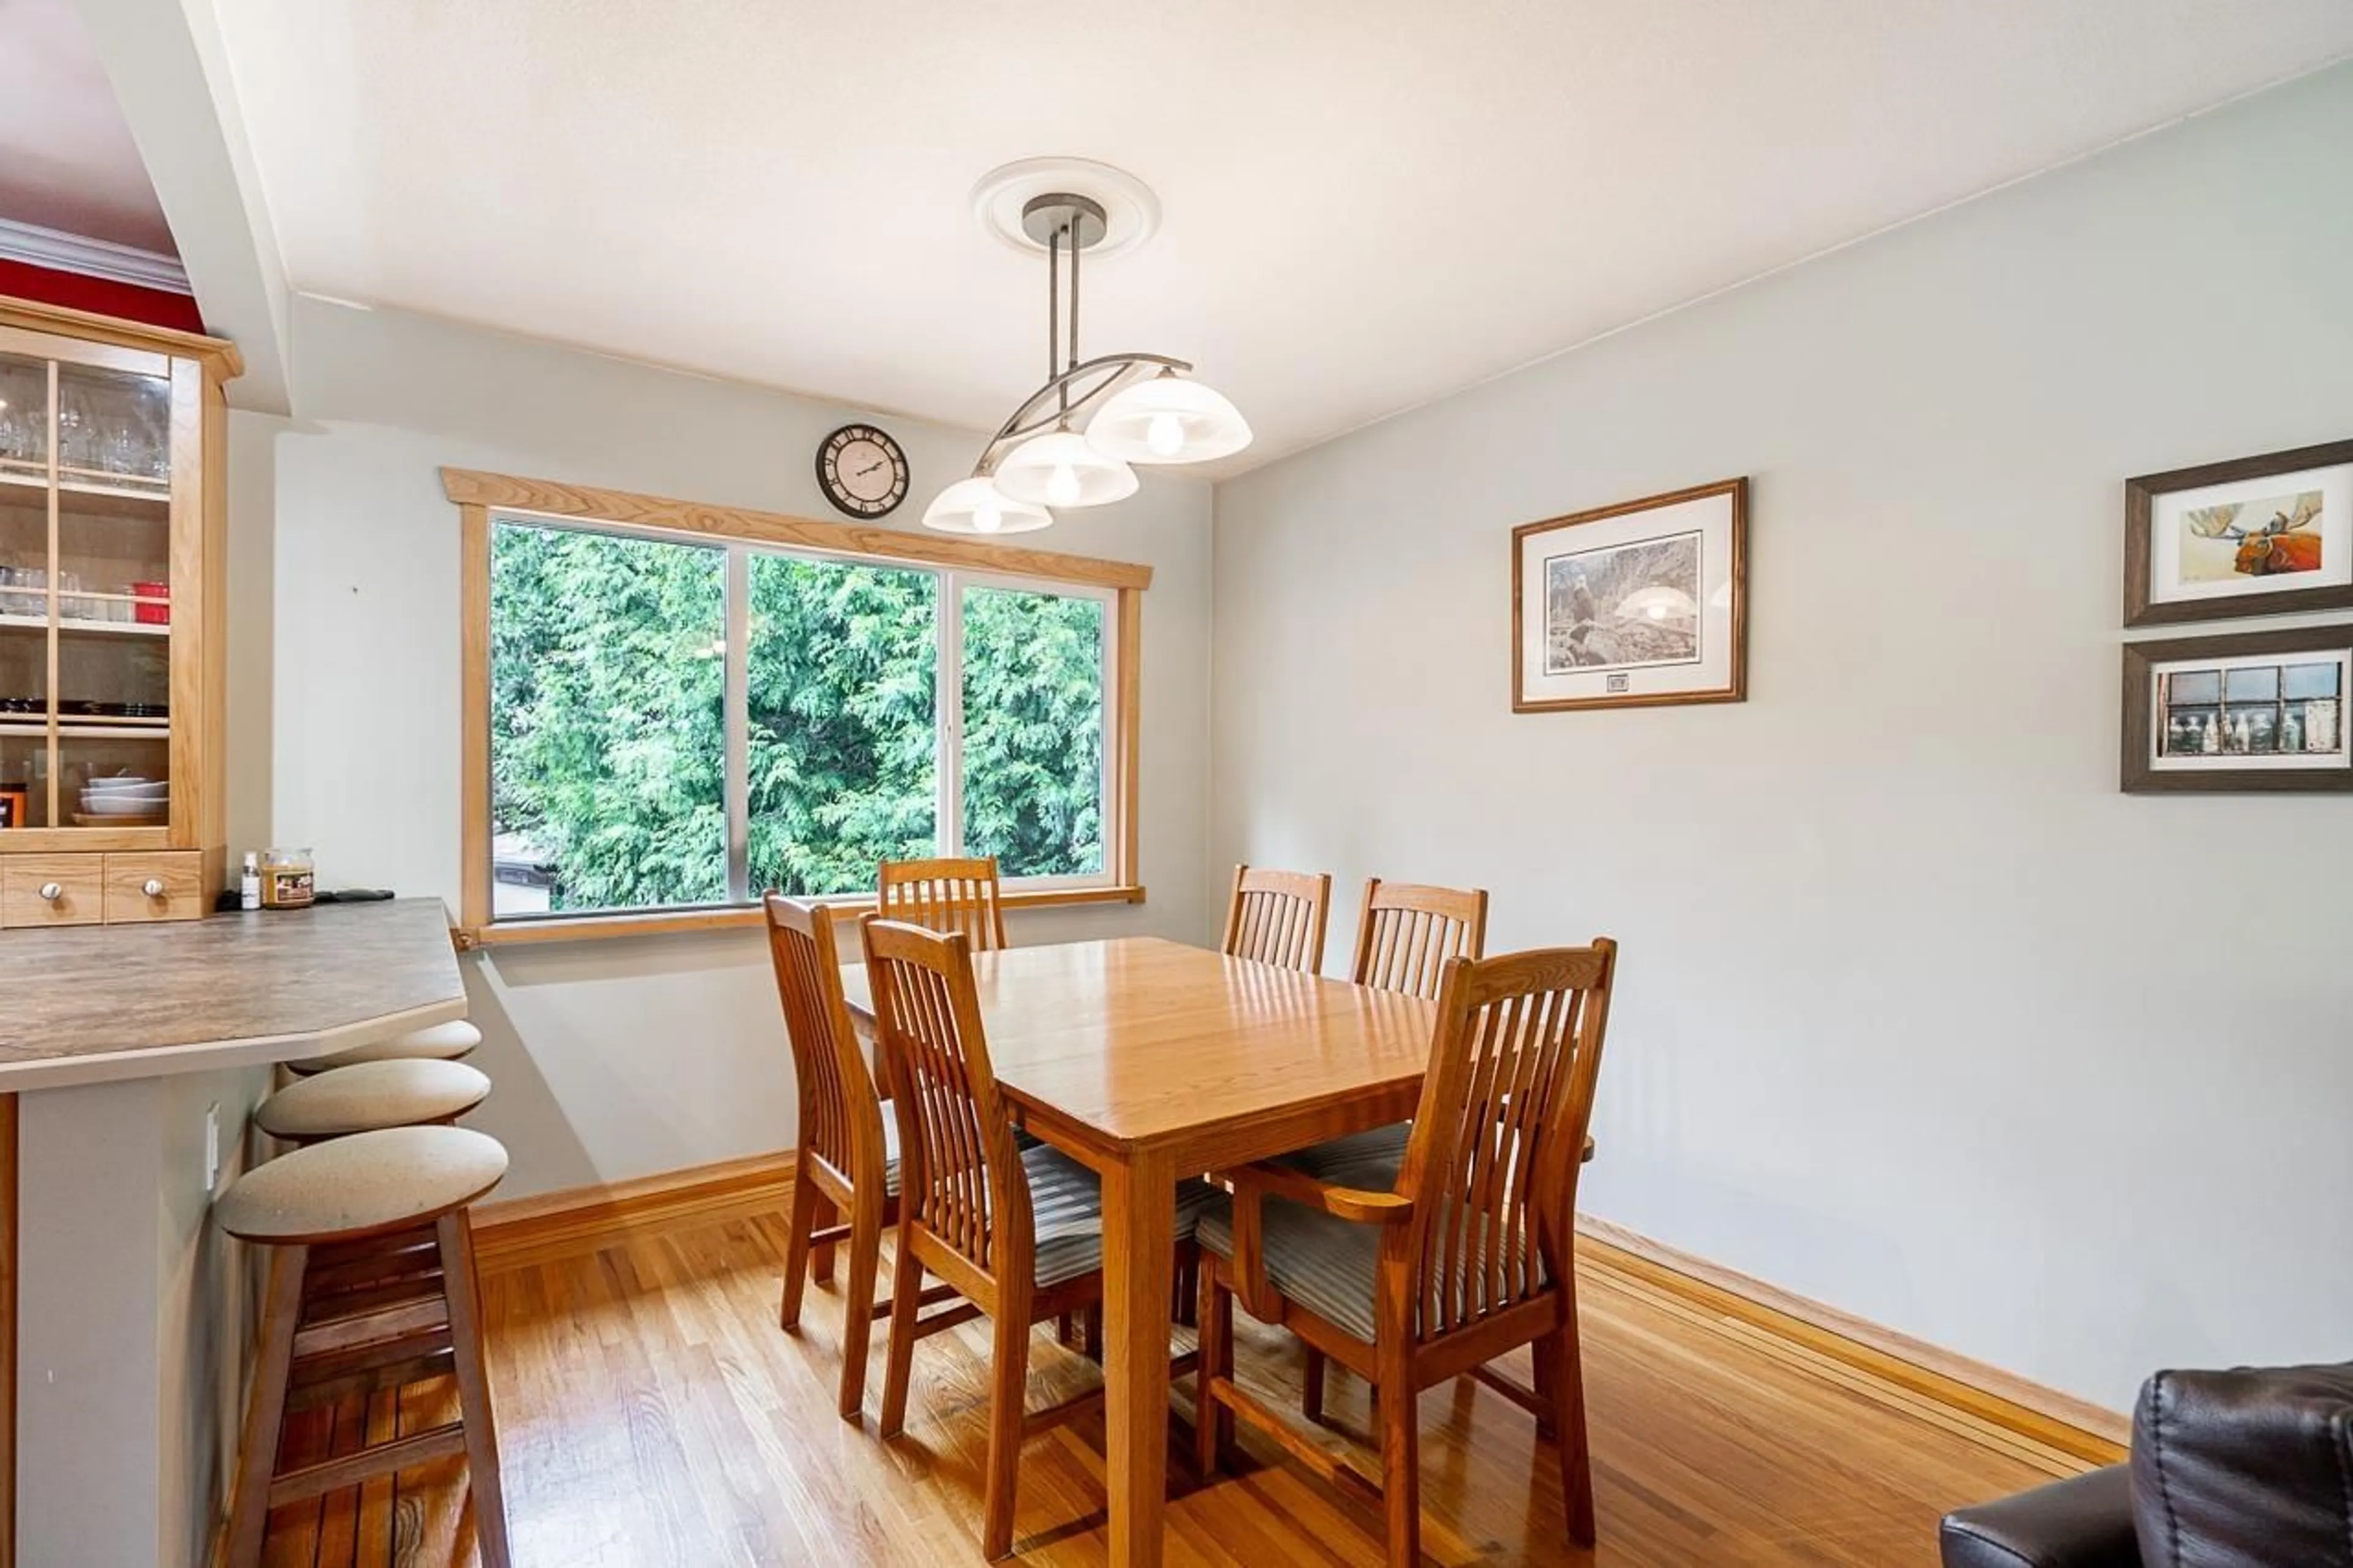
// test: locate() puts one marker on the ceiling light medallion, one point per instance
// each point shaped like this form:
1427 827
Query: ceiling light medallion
1071 443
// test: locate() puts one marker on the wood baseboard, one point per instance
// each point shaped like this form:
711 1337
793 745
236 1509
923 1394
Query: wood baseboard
527 1231
2073 1426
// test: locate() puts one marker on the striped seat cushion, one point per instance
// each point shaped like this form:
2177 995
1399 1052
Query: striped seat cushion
1066 1201
1367 1161
1324 1264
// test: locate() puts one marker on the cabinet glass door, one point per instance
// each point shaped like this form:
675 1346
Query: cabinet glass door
85 595
24 593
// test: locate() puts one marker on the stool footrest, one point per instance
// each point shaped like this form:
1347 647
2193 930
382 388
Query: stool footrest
369 1300
372 1380
363 1263
333 1474
329 1365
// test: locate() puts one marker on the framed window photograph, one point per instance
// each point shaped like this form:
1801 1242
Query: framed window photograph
2253 711
2259 536
1638 604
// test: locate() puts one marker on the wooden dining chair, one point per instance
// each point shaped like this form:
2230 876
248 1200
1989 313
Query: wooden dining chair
845 1165
947 894
1470 1254
1277 917
1408 931
1017 1232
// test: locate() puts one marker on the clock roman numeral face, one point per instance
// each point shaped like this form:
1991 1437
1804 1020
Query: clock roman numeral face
862 470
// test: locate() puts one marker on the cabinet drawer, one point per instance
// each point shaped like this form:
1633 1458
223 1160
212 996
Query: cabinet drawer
79 899
164 886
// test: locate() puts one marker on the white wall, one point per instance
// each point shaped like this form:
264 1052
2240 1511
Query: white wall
612 1058
1919 1015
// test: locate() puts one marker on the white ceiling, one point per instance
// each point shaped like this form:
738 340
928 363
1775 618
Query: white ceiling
67 159
1366 202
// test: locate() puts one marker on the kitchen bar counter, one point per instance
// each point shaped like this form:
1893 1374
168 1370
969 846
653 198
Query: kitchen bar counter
130 1059
100 1004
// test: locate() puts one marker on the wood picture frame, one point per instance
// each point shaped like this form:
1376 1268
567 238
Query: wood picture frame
1668 623
2221 733
2188 558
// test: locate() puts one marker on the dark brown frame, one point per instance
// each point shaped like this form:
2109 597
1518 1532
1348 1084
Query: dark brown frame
1735 691
2140 499
2140 778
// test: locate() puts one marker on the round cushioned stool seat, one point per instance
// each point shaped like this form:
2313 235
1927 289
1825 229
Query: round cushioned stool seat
362 1186
370 1096
442 1042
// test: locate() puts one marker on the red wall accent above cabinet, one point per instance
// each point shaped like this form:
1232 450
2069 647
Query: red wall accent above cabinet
124 302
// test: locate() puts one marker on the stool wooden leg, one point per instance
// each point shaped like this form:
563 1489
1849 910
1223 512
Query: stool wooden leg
457 1238
265 1414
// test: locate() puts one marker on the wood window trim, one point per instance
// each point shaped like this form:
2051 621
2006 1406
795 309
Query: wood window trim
478 495
546 498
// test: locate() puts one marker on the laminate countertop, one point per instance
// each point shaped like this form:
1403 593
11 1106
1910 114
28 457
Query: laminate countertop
97 1004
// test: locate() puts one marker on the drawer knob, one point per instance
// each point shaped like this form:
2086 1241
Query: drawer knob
153 887
51 892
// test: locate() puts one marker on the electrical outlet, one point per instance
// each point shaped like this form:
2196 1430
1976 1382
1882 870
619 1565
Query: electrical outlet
212 1146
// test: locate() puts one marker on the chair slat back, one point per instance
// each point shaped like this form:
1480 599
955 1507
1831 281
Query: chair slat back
944 895
840 1114
1277 917
959 1173
1493 1160
1407 932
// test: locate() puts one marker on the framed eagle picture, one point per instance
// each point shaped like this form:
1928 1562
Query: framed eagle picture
1639 604
2256 536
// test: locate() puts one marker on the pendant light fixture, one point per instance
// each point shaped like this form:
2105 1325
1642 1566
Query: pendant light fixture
976 506
1167 419
1070 442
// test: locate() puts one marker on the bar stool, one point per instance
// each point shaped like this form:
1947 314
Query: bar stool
370 1096
442 1042
372 1286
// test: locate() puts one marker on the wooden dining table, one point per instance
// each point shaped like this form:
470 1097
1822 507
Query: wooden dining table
1151 1062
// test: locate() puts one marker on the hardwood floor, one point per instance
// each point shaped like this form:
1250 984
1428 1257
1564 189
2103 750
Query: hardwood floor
652 1413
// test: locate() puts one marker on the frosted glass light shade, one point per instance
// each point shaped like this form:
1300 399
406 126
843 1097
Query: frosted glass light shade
1060 469
1169 419
978 506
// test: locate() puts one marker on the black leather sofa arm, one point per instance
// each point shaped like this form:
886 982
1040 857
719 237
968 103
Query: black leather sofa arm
2085 1521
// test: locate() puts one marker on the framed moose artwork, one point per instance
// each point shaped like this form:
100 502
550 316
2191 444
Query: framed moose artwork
2257 536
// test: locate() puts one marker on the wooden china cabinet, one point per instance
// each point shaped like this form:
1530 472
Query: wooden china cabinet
112 449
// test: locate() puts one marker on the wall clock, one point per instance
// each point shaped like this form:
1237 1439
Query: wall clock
862 471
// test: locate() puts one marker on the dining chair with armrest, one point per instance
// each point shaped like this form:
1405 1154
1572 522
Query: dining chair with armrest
1017 1232
1467 1256
1405 933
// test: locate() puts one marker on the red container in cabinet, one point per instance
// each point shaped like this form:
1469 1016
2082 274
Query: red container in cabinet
149 614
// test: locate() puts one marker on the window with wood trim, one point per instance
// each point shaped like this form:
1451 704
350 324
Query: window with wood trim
674 720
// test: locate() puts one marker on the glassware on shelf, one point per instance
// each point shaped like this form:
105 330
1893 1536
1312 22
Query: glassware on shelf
20 434
24 591
23 411
112 426
76 438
